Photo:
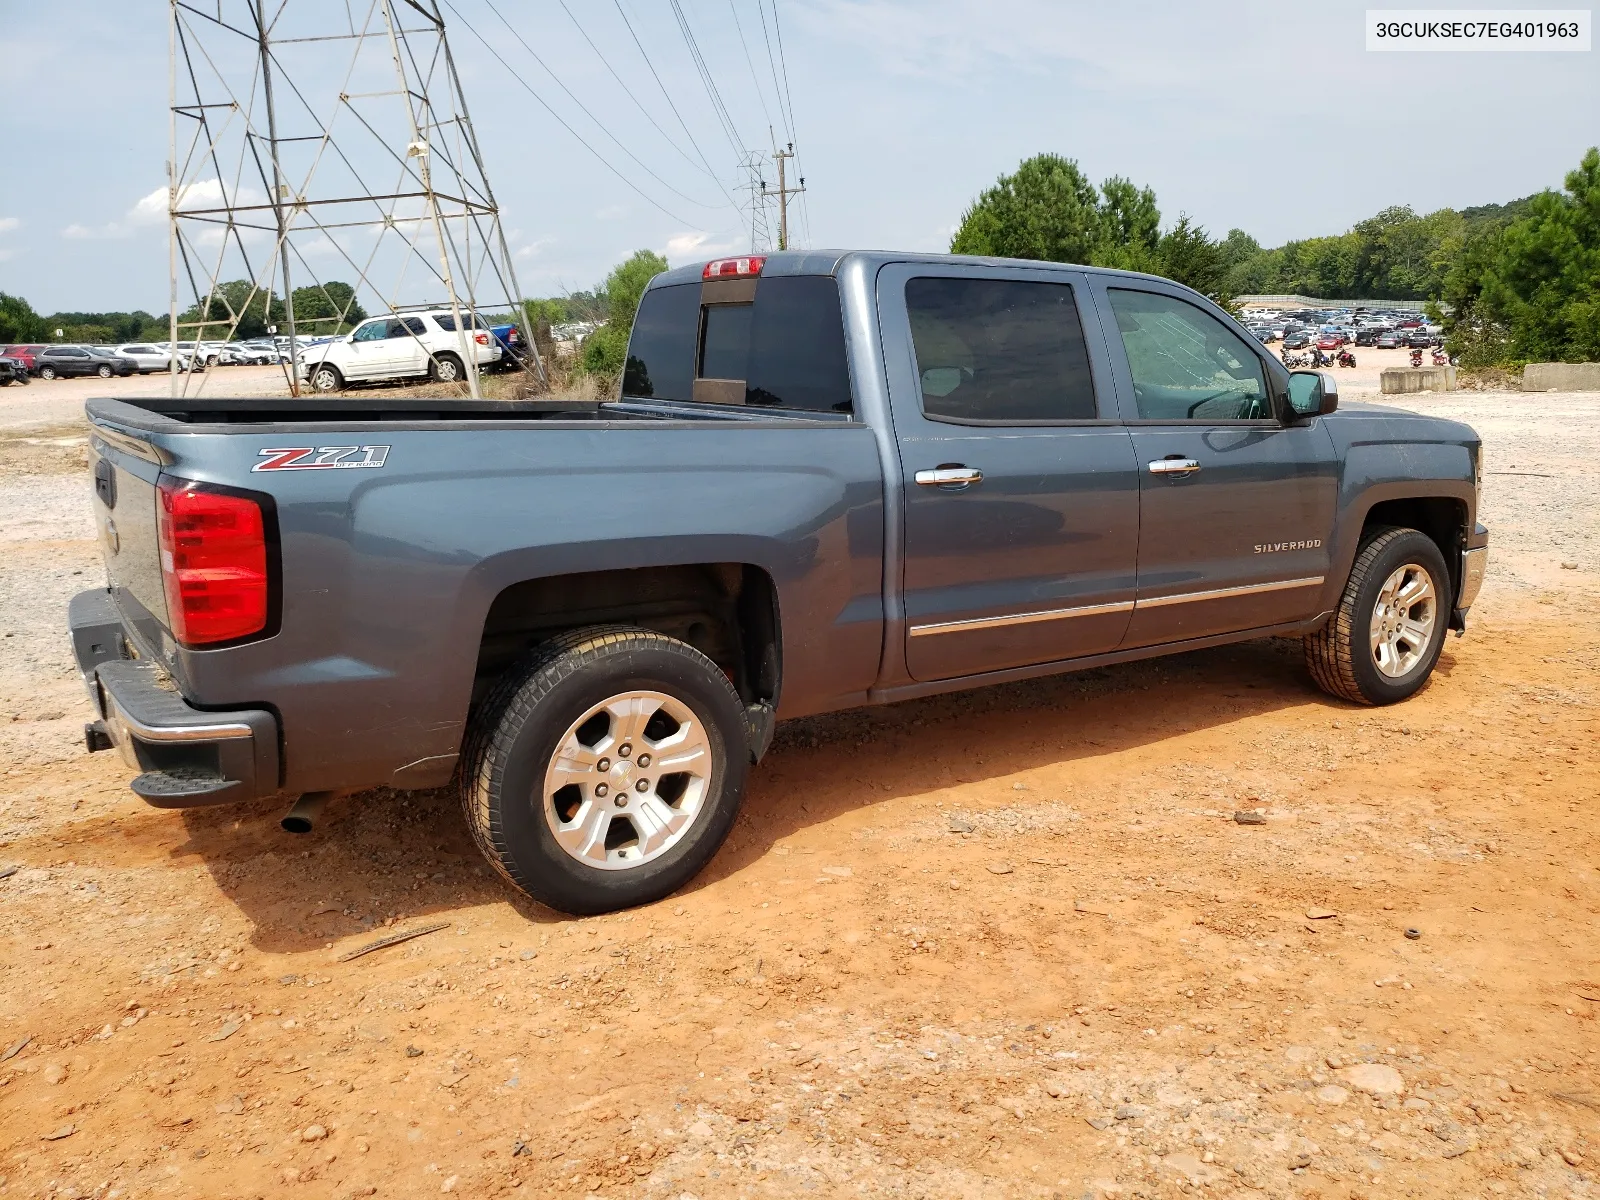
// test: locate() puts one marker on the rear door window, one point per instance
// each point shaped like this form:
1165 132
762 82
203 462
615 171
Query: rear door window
999 351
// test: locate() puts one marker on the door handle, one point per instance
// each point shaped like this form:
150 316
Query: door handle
1174 466
950 477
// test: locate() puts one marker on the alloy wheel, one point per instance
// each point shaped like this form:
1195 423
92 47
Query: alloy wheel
627 780
1403 620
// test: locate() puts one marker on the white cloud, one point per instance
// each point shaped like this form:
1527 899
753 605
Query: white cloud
7 224
700 245
150 210
5 254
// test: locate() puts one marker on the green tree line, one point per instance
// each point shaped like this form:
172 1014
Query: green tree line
1517 282
318 309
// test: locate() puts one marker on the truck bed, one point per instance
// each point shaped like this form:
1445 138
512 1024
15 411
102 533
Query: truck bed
424 410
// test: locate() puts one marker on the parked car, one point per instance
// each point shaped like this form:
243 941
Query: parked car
264 352
401 346
1420 339
1390 339
592 614
1331 341
511 344
202 354
1298 340
26 354
56 361
148 357
12 371
1369 335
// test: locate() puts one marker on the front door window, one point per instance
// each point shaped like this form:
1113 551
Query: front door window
1186 364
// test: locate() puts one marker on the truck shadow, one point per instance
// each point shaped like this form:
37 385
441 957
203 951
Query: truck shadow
409 855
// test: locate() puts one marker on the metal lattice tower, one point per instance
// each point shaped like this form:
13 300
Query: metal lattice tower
321 140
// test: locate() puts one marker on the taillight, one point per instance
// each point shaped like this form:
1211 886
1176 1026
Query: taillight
481 338
214 560
734 268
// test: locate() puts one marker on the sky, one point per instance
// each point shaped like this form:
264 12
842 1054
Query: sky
1270 117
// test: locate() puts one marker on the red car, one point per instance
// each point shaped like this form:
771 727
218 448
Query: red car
23 354
1330 341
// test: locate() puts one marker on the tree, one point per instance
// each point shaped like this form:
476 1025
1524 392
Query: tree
1129 227
1047 210
604 350
327 308
1529 291
19 323
1187 255
255 309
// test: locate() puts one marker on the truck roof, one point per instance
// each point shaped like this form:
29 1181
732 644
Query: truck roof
827 262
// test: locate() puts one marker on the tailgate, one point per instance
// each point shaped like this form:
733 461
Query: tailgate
125 471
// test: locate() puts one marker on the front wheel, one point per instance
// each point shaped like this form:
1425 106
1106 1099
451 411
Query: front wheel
104 371
327 379
47 372
607 771
1383 640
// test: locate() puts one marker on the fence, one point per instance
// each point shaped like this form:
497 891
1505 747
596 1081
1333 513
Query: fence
1415 306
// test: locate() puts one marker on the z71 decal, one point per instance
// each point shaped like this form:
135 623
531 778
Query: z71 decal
321 458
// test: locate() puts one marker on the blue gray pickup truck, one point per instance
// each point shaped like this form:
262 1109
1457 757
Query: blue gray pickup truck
829 480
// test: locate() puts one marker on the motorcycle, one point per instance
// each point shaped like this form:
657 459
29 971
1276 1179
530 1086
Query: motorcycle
1416 358
1294 361
1345 359
1440 358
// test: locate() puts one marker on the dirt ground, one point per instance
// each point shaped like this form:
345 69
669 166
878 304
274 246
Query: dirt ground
1011 943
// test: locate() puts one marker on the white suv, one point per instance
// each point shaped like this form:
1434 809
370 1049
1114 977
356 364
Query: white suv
400 346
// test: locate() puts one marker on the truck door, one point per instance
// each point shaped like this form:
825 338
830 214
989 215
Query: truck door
1019 486
1236 506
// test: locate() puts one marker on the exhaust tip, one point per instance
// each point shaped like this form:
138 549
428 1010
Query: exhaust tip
302 818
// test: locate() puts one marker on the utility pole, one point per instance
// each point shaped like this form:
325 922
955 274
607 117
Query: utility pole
783 192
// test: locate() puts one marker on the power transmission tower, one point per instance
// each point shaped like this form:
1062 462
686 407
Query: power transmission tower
760 229
783 192
312 141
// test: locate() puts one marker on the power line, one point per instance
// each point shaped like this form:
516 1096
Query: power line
717 105
627 91
749 62
664 94
766 36
783 64
527 87
584 109
805 209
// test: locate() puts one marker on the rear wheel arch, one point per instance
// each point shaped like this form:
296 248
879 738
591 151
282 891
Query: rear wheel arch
728 611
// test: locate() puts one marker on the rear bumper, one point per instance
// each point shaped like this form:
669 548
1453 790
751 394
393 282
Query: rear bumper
186 757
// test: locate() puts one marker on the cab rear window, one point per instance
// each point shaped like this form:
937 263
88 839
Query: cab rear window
786 346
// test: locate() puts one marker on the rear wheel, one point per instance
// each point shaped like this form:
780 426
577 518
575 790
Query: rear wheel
47 372
104 371
1383 640
446 368
327 379
607 770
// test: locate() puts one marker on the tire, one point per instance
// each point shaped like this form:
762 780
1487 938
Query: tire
47 372
104 371
516 806
446 368
326 379
1341 656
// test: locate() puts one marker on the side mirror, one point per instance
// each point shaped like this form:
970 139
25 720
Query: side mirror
1313 393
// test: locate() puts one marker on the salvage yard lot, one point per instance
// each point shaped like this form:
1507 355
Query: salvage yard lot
1003 943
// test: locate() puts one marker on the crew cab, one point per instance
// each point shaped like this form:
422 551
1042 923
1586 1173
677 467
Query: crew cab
828 480
428 342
